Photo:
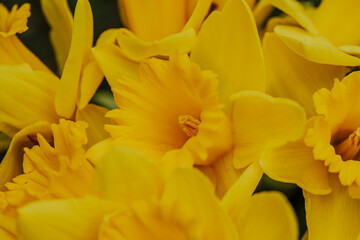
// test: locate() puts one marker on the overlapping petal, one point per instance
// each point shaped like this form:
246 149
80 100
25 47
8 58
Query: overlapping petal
60 20
260 120
290 75
228 44
336 207
27 96
79 54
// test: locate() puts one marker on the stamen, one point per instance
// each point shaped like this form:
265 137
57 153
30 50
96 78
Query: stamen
349 148
189 125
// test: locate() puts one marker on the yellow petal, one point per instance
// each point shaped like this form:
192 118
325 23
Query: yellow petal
26 96
278 20
91 79
107 37
292 76
351 49
243 189
7 227
314 48
153 20
331 17
14 52
143 220
292 8
4 235
198 14
342 213
221 3
188 196
126 175
354 191
81 42
67 219
209 172
268 215
228 44
60 19
11 165
115 64
98 150
95 116
14 21
226 174
294 163
260 120
137 49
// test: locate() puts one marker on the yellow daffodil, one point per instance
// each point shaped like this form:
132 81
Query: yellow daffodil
54 168
159 27
31 98
325 162
181 115
305 50
137 200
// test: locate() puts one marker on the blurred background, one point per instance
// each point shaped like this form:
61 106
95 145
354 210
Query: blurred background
106 16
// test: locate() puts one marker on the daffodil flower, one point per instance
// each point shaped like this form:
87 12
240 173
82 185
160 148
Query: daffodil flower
137 200
30 95
325 162
158 27
310 47
49 172
182 115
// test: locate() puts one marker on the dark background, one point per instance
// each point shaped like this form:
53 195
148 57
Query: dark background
106 16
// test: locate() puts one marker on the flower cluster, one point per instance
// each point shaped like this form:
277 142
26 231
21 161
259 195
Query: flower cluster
210 95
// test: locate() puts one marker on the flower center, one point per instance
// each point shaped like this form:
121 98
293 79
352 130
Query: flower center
189 125
349 148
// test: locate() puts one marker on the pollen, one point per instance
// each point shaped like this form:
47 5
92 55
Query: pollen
189 125
349 148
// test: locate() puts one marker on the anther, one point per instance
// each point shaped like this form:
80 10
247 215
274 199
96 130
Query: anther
189 125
